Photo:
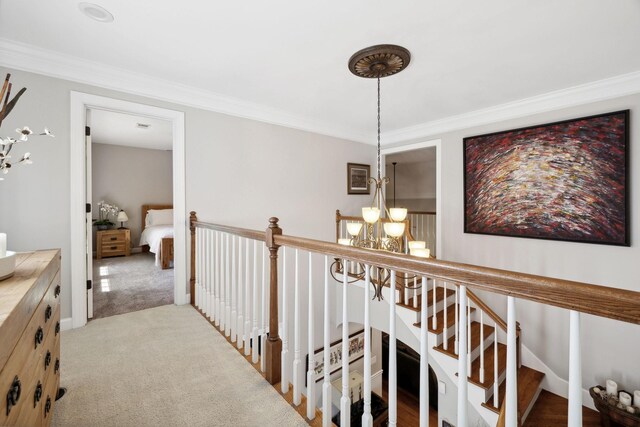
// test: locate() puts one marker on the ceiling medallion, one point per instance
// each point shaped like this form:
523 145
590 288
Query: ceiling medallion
379 61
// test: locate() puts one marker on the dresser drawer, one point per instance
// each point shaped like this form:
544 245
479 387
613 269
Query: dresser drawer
113 249
113 238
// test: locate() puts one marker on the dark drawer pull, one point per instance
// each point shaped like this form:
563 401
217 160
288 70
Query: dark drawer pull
13 395
37 395
114 238
47 314
47 406
114 248
56 366
47 360
56 292
39 336
57 327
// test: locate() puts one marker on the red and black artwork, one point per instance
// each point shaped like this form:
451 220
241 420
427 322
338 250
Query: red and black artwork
561 181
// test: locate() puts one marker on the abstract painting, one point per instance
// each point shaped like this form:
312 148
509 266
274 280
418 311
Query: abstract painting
560 181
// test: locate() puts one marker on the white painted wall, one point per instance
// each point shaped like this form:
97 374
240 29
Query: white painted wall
415 184
610 349
130 177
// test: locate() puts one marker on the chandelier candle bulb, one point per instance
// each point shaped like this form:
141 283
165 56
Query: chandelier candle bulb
371 215
417 244
612 387
394 229
344 242
636 398
353 228
625 398
398 214
421 252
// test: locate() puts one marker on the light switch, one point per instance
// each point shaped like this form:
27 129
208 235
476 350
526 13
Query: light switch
442 387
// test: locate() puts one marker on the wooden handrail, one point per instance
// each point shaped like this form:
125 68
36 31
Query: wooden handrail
484 307
613 303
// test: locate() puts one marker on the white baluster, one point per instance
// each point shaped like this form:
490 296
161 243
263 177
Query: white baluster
240 287
415 292
434 320
198 267
511 394
216 278
210 299
227 290
247 301
445 328
297 395
482 347
496 374
455 327
265 297
575 371
326 385
367 419
424 359
393 373
311 383
462 360
284 358
345 401
254 331
234 290
223 281
468 337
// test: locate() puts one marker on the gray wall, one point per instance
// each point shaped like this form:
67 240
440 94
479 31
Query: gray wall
415 185
130 177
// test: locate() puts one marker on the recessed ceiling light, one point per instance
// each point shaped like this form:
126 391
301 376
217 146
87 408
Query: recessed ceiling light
95 12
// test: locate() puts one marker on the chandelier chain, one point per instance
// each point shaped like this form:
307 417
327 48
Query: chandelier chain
378 128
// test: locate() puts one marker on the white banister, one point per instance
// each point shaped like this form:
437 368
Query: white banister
456 349
265 297
415 292
345 401
227 289
247 301
311 384
240 305
234 290
575 371
462 360
393 373
284 358
511 392
297 364
326 385
210 292
223 279
434 320
367 419
216 314
424 358
254 331
445 329
496 374
468 337
198 264
482 347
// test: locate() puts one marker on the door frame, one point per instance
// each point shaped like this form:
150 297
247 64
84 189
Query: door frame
417 146
80 103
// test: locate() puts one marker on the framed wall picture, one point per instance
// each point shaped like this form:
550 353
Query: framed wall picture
566 181
356 352
358 178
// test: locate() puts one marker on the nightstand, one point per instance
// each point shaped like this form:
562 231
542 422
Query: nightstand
113 243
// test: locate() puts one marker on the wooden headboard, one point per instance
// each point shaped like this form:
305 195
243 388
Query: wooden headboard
145 209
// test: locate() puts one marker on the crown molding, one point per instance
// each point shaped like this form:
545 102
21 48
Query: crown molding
33 59
600 90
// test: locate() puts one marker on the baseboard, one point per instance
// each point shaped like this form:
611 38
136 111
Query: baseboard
66 324
137 250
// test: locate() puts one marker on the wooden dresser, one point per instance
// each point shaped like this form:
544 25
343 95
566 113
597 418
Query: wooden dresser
113 243
30 340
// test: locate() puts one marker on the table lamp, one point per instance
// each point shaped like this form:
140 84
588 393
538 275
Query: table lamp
122 218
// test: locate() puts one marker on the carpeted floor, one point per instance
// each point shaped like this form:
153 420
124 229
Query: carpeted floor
126 284
164 366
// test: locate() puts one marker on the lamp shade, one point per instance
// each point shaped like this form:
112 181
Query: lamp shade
353 228
394 229
122 216
398 214
370 215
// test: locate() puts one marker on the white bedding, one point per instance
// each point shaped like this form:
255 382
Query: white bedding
152 236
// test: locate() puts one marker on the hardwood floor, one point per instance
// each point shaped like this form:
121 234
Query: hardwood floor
409 408
550 410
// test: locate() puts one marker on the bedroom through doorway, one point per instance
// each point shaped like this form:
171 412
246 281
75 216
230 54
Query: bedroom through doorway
130 189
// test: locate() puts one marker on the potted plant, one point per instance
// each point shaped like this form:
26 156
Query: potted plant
105 210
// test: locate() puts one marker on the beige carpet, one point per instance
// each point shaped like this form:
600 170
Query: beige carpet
164 366
126 284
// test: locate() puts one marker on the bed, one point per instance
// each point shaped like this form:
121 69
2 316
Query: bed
158 238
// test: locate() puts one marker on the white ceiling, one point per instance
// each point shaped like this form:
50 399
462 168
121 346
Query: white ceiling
109 127
289 57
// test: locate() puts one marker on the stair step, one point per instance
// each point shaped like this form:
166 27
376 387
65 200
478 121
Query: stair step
475 340
439 298
529 381
488 366
451 319
550 410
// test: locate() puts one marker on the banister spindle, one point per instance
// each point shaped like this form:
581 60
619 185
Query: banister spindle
207 272
216 278
311 384
234 290
415 292
273 347
424 358
227 289
240 304
434 320
345 401
462 360
575 371
393 373
511 392
468 337
264 295
284 383
192 267
456 321
367 419
247 301
297 396
496 374
198 266
445 328
212 272
482 346
254 331
326 384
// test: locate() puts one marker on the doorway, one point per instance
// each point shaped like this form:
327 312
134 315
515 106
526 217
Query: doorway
81 253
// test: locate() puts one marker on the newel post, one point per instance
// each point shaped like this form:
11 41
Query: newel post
192 281
273 348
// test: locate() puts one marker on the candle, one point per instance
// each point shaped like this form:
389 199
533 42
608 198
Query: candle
417 244
625 398
636 398
612 387
3 245
345 242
